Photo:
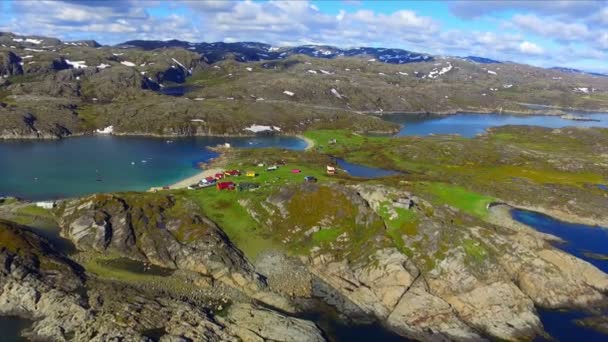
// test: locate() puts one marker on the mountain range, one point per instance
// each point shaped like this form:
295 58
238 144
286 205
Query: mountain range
54 88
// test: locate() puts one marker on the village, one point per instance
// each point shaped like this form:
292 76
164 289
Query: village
226 179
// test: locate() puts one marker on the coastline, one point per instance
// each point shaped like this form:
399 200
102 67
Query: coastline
184 183
310 144
549 111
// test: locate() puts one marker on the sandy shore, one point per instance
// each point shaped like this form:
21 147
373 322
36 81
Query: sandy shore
191 180
309 142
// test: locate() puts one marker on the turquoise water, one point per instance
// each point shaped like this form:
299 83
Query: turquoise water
580 240
83 165
469 125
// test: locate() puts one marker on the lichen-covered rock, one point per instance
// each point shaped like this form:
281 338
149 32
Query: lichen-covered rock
251 323
422 316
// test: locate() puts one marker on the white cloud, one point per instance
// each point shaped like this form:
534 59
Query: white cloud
572 24
530 48
551 28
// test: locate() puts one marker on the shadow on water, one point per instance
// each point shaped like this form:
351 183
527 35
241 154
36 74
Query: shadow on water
11 328
51 234
336 329
588 243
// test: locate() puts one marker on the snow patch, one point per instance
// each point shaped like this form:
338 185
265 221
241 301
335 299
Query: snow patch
76 64
28 40
107 130
402 73
261 128
312 71
29 49
26 57
336 93
507 86
118 54
288 93
325 72
197 120
103 66
127 63
492 72
249 69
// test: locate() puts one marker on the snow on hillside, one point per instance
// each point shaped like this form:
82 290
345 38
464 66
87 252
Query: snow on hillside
76 64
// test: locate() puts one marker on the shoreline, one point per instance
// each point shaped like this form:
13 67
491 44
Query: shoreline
310 144
552 111
184 183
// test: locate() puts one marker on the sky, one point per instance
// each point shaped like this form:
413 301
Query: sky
544 33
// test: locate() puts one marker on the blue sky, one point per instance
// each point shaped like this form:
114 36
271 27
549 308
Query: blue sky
544 33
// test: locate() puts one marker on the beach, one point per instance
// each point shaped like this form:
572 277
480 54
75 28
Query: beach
309 142
184 183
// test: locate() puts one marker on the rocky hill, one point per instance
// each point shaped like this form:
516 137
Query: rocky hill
50 88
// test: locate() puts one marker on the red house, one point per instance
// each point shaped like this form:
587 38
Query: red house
219 175
209 180
232 173
226 186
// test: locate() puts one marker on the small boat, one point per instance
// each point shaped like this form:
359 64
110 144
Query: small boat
132 163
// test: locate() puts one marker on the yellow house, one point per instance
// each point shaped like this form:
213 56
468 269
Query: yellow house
250 174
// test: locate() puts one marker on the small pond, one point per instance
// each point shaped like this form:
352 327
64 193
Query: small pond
357 170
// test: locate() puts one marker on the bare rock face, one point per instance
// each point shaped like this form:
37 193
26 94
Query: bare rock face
9 64
162 230
251 323
423 316
375 285
550 277
38 283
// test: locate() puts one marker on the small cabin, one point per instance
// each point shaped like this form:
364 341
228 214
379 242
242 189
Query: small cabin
250 174
232 173
296 171
225 186
219 175
208 180
331 170
272 168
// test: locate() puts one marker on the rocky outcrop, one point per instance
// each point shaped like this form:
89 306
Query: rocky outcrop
483 281
38 283
252 323
161 229
10 64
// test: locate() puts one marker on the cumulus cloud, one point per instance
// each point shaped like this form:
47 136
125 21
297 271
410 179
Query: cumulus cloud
521 36
551 28
530 48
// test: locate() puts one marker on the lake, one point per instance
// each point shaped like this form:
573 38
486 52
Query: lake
78 166
585 242
469 125
357 170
